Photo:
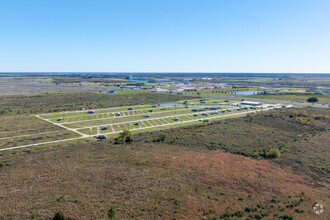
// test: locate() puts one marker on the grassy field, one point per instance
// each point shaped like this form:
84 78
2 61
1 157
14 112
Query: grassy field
24 124
151 181
323 98
74 101
289 131
26 129
225 91
199 172
90 80
223 169
92 124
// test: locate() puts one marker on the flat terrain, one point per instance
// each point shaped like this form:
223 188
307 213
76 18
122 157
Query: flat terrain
57 102
238 164
27 129
151 181
301 135
189 178
72 125
323 98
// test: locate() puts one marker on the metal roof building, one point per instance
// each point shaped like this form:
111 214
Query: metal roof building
251 103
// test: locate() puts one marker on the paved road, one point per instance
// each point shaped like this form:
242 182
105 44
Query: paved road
123 116
37 144
24 135
70 129
114 132
144 119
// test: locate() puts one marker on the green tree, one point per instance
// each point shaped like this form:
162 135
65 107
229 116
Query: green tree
124 137
162 137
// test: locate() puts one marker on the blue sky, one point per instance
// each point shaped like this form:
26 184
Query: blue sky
165 35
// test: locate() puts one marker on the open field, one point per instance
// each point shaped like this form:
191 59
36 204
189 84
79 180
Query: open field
74 101
27 129
253 163
18 86
323 98
151 181
91 124
301 135
138 118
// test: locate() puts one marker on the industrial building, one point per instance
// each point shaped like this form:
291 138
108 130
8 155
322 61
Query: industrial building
251 103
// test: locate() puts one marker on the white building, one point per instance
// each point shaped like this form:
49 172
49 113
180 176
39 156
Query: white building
251 103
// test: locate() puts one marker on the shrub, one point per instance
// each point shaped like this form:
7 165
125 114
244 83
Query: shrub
59 216
274 153
162 137
287 216
239 213
112 213
312 99
257 216
250 209
4 164
124 137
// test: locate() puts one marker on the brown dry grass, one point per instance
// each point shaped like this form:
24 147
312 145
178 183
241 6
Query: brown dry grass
146 181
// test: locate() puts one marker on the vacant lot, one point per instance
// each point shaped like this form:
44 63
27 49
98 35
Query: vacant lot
323 98
27 129
300 135
151 181
190 176
74 101
24 124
